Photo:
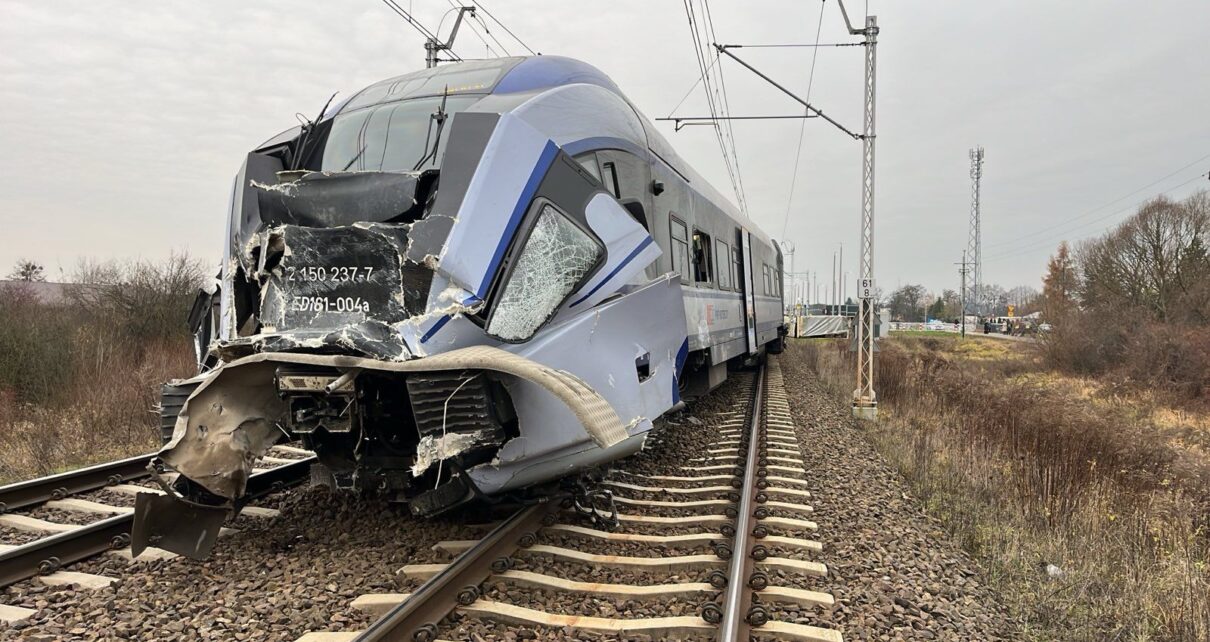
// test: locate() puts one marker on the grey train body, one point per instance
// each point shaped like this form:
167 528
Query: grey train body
466 281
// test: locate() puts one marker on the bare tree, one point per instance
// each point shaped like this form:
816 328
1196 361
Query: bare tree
1154 263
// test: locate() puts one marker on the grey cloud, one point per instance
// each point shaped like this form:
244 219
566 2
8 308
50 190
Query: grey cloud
123 122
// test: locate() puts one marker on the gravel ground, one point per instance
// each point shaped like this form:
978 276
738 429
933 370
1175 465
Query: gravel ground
16 537
274 580
61 516
113 498
894 573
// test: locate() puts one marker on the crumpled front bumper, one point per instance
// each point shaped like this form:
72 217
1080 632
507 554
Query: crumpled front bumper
234 417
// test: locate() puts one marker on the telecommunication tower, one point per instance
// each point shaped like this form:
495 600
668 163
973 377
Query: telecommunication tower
975 239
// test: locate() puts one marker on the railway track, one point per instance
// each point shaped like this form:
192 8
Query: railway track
722 540
49 523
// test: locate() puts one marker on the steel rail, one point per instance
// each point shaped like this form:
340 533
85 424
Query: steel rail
416 618
737 600
48 554
43 489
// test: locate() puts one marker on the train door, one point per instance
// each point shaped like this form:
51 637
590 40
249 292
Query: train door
742 239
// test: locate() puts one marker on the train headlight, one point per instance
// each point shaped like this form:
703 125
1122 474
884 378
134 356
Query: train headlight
556 256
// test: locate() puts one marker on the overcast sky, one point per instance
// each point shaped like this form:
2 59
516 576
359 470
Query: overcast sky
123 123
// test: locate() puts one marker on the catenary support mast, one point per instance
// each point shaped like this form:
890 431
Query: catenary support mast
865 401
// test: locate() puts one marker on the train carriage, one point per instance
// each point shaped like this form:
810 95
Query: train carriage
458 283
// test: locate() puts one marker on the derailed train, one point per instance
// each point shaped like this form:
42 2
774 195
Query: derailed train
460 282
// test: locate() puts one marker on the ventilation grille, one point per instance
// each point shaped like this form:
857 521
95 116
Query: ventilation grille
459 401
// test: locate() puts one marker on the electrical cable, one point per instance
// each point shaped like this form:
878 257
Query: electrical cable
1100 207
795 44
695 84
802 130
722 86
407 17
701 61
1041 243
489 33
504 27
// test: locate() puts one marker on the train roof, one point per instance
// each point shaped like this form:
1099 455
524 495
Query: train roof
526 76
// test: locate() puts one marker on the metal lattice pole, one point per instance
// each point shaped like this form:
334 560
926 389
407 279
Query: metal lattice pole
865 404
975 238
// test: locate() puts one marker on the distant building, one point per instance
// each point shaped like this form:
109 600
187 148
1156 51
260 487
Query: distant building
45 292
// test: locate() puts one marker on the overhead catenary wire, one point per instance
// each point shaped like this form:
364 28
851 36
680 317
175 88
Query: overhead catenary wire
489 33
726 103
710 101
504 27
802 130
416 24
691 88
1034 246
701 55
454 6
798 44
1099 207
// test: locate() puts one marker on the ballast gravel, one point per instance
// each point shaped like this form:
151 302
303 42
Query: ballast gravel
893 573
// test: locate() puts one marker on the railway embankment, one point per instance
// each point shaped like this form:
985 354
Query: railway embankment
895 571
1084 503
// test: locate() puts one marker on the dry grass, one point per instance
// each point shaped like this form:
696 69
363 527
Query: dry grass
79 383
112 415
1029 469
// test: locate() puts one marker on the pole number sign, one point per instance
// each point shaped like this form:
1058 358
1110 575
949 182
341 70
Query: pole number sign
865 289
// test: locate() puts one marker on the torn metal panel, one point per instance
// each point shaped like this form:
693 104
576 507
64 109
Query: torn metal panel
332 199
232 417
468 138
228 422
173 525
434 448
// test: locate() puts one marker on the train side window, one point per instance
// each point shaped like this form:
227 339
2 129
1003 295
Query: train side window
589 162
680 248
609 176
765 274
721 255
703 266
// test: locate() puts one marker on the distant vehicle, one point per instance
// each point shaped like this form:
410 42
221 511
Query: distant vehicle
935 325
1044 327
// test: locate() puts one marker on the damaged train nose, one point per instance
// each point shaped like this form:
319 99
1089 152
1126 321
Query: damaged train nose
410 428
325 267
437 294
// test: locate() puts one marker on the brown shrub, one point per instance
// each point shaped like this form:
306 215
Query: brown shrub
1024 474
79 382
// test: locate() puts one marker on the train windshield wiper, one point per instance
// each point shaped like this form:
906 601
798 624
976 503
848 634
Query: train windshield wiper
439 117
308 128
